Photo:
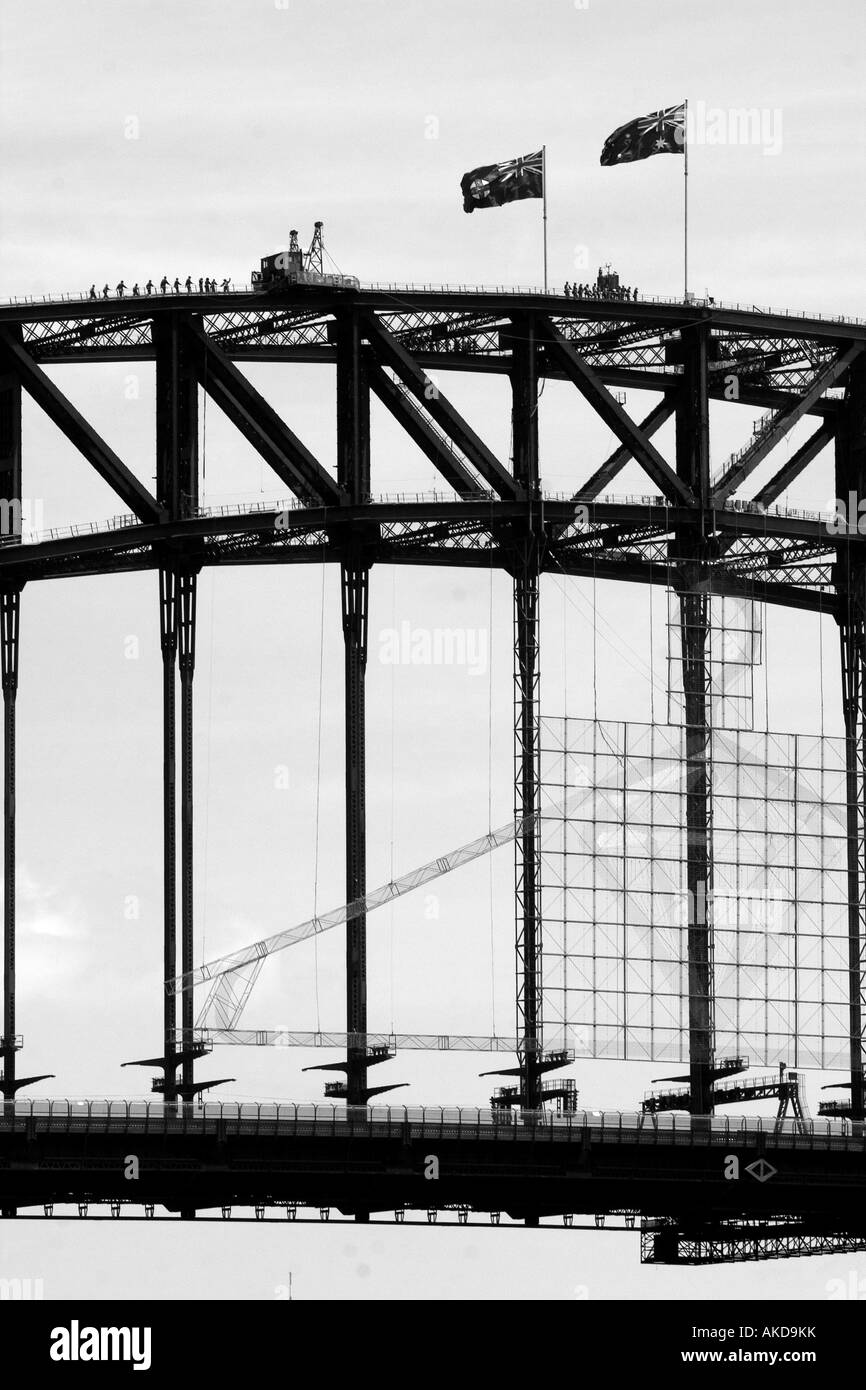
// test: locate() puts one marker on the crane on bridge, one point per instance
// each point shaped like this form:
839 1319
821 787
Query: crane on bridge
234 976
296 267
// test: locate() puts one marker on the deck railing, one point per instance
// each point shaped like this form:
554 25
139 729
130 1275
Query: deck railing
400 290
263 1119
128 520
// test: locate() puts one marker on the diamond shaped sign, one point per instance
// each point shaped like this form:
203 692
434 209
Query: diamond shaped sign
762 1170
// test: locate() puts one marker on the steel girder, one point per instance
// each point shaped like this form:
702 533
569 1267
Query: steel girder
15 359
438 534
768 353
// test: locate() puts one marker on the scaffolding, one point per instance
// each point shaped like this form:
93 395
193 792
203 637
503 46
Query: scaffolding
616 896
663 1241
734 647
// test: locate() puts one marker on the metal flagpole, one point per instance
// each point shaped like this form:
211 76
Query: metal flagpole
544 206
686 201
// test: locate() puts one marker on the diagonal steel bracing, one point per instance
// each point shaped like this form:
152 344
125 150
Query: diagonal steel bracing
259 423
15 358
389 352
795 465
784 420
436 445
591 387
605 475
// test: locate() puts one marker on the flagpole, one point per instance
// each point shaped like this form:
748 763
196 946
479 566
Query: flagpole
686 202
544 207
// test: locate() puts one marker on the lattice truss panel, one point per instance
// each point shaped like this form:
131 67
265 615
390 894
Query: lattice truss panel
615 903
733 650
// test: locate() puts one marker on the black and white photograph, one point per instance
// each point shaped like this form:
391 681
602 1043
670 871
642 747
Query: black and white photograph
433 665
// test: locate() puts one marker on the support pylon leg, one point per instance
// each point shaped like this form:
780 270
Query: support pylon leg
355 582
10 604
527 741
168 613
527 805
186 593
694 627
853 651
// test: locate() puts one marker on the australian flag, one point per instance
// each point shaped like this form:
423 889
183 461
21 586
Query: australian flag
663 132
491 185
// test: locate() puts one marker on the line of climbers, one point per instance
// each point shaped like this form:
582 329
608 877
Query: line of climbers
205 286
600 291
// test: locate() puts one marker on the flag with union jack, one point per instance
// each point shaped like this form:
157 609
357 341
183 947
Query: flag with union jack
662 132
491 185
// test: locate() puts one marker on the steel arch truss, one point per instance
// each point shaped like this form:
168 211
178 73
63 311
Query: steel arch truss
488 511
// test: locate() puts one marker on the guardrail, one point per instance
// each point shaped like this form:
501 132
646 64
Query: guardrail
262 1119
397 289
128 520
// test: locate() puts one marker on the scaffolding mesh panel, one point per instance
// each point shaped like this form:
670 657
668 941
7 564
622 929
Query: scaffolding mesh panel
615 901
734 648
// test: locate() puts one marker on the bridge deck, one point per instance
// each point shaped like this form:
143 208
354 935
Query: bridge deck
263 1119
192 1158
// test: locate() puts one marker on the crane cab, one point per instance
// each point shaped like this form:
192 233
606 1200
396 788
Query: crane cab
297 267
284 267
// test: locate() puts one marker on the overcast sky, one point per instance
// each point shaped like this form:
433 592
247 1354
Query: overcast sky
146 138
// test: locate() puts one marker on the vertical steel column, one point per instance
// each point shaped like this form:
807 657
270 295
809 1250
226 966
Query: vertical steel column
177 490
355 580
10 453
527 740
850 581
691 549
353 472
168 625
176 417
186 593
694 623
852 651
10 495
527 807
10 604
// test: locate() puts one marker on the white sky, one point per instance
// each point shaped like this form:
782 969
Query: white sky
250 118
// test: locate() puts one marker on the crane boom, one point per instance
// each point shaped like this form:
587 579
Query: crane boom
396 888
